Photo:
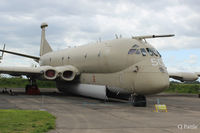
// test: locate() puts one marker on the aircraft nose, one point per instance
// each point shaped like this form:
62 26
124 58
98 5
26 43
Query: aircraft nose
151 83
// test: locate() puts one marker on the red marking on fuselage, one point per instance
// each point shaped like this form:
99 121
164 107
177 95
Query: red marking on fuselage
93 78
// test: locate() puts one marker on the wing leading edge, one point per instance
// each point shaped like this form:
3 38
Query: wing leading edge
67 73
34 72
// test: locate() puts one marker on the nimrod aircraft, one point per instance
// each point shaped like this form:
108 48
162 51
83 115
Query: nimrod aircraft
101 70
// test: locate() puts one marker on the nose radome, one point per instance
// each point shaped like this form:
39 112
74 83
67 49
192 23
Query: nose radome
151 83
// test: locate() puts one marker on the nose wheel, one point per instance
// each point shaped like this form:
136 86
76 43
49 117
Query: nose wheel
138 100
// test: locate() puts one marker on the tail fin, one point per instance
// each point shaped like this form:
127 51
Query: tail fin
44 46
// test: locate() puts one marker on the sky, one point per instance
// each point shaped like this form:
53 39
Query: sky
78 22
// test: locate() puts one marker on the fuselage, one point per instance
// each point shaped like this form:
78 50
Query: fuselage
123 65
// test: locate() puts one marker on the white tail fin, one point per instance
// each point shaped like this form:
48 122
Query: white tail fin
44 46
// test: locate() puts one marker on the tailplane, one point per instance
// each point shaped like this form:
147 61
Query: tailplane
44 46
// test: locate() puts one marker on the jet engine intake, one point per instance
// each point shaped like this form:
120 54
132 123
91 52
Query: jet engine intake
49 73
67 73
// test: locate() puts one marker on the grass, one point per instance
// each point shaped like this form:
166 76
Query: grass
175 87
21 83
26 121
183 88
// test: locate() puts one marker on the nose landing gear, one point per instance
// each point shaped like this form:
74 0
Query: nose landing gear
138 100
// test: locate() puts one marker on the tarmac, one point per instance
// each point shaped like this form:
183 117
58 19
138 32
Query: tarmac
76 114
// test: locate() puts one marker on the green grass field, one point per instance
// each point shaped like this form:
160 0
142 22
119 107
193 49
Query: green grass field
175 87
183 88
26 121
21 83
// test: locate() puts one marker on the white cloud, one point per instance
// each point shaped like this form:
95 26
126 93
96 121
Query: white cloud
83 21
189 64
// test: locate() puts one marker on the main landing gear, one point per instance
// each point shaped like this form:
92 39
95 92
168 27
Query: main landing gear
32 88
138 100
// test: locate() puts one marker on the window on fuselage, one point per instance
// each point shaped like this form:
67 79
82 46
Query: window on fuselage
150 51
135 46
155 52
143 51
132 51
159 54
137 51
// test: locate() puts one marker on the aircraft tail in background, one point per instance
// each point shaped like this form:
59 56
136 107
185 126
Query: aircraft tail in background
44 46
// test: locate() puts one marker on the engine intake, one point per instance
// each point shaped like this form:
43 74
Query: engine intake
49 72
67 73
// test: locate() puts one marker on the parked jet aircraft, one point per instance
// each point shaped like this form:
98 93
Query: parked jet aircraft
101 70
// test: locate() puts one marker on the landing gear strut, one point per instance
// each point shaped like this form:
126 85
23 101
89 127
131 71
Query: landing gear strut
32 88
138 100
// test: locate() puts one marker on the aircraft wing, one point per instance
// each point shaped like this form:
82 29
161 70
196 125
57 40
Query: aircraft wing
17 71
184 76
47 72
197 73
67 73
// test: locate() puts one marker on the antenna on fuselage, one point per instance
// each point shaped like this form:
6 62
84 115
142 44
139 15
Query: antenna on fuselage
116 36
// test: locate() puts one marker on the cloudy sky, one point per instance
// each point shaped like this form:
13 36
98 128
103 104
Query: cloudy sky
77 22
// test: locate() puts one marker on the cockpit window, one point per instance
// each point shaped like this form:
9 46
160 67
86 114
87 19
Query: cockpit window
143 51
159 54
135 46
155 52
131 51
137 51
150 51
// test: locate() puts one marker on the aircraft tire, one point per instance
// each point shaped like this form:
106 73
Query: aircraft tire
139 101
